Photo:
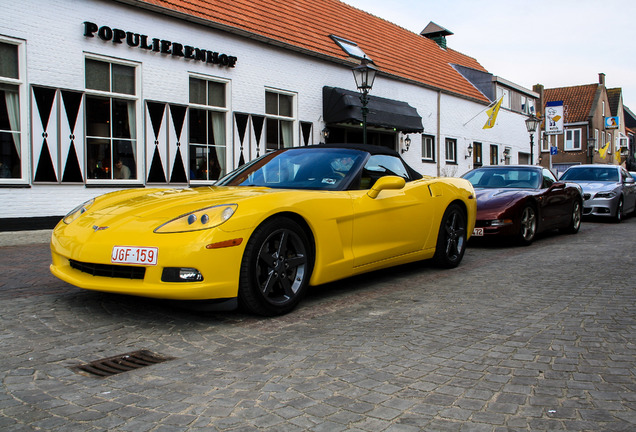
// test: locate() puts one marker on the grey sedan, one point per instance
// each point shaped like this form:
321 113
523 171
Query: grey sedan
608 190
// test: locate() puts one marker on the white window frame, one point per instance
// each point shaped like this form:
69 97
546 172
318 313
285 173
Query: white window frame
428 146
293 119
546 142
524 104
228 166
603 141
138 138
596 141
505 93
571 140
20 82
450 150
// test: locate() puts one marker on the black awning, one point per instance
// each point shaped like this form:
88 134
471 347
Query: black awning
344 106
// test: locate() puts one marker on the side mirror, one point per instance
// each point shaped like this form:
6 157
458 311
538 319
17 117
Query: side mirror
386 182
630 180
558 185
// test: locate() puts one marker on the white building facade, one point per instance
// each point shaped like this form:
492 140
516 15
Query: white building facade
97 96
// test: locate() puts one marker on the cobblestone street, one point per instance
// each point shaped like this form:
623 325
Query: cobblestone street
538 338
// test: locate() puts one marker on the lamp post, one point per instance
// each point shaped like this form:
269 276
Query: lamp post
364 75
591 143
531 124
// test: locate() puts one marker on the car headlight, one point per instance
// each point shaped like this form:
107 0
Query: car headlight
77 211
610 194
500 222
203 219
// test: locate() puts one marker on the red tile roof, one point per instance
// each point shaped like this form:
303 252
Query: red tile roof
577 100
306 25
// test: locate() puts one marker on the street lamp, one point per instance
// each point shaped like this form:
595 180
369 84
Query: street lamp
531 124
364 74
591 143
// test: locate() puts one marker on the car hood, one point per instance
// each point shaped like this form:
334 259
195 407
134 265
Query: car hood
593 187
488 199
150 208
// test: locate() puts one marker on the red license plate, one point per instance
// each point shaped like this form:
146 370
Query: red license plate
478 232
134 255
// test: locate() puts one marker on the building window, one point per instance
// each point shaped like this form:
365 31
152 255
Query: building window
530 106
428 148
505 93
351 48
477 154
524 104
547 141
10 122
573 139
451 150
494 155
207 129
111 120
596 142
603 142
279 120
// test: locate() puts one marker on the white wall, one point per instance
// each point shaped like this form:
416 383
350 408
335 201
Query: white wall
56 48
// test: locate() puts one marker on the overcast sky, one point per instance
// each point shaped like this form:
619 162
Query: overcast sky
556 43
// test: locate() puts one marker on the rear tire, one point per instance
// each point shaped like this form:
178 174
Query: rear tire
575 220
276 268
451 240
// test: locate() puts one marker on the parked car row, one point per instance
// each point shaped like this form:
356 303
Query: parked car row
521 201
311 215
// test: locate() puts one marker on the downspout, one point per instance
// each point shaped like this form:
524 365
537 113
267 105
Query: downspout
439 134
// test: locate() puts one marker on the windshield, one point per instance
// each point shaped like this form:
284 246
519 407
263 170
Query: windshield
299 168
513 178
591 174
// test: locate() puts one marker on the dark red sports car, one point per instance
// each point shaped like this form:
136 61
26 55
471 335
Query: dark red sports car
520 201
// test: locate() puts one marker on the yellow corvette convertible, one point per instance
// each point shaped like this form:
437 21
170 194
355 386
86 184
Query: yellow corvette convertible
291 218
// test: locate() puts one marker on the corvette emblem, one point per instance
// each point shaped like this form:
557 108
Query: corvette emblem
98 228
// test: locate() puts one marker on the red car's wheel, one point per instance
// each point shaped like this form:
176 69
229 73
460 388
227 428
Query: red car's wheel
575 220
528 229
276 268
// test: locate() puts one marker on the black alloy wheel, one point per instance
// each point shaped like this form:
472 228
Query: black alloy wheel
528 222
276 268
451 239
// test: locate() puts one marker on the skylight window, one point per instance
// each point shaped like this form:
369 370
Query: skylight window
351 48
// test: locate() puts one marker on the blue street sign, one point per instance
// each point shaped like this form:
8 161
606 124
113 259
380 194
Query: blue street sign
553 150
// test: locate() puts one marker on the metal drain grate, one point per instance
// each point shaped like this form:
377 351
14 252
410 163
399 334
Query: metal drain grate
121 363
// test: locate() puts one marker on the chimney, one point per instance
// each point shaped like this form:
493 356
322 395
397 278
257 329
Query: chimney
601 78
436 33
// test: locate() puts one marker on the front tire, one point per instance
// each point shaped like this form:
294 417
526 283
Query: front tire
451 240
528 229
619 211
276 268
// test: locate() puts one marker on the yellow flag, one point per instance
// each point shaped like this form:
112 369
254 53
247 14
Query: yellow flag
603 150
492 114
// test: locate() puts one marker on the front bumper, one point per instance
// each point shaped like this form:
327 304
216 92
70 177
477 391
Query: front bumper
507 230
600 207
220 267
